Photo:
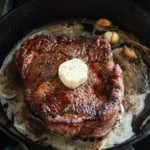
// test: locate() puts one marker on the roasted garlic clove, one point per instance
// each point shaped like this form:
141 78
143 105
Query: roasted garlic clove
112 36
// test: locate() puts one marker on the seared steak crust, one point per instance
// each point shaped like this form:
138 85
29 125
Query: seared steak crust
87 111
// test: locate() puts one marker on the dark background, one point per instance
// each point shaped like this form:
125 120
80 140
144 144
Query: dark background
6 142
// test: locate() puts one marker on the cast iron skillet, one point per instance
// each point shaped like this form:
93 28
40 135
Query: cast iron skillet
40 12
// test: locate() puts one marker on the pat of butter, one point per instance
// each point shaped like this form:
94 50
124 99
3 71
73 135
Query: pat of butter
73 73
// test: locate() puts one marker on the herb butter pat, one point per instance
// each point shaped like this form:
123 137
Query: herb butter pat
73 73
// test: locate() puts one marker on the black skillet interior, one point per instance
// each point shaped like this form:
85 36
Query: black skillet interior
40 12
